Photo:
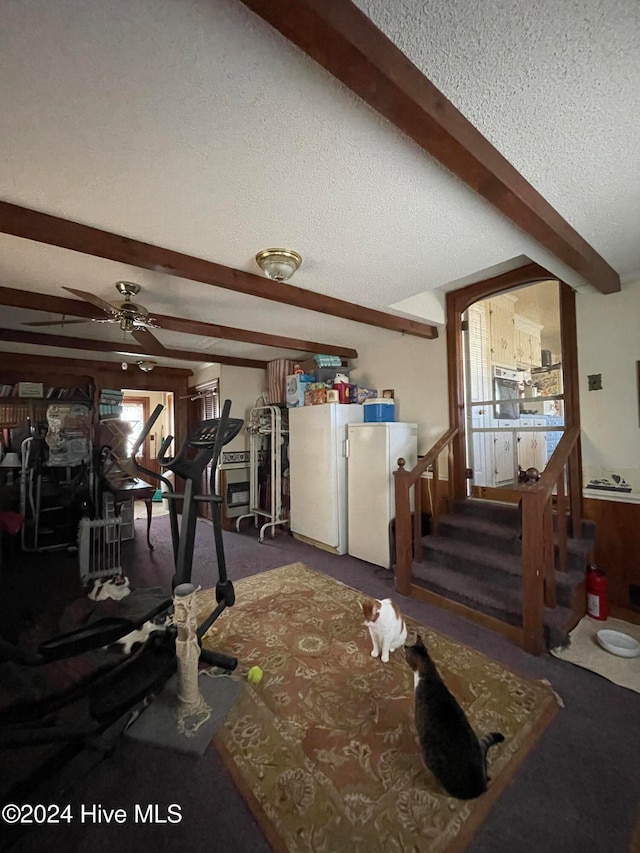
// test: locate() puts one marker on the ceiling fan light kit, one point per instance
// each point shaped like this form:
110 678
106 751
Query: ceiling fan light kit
130 313
278 264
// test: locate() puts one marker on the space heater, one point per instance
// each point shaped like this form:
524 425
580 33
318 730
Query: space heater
99 548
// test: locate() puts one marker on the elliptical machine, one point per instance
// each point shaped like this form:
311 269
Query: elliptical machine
114 692
207 439
85 719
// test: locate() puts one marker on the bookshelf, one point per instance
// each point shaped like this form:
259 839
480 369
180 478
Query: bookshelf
27 402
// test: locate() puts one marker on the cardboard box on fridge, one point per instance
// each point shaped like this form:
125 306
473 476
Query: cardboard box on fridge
315 397
366 394
309 365
296 386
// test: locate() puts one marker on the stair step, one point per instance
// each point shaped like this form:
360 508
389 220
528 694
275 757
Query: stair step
508 514
479 531
476 560
500 602
494 535
495 511
458 554
492 567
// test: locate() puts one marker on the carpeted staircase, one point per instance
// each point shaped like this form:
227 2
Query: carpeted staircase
475 560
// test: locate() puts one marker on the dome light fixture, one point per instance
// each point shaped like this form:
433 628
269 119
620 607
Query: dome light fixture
146 366
278 264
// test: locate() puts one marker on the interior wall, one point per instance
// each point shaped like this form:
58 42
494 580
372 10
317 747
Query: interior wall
416 370
242 385
609 345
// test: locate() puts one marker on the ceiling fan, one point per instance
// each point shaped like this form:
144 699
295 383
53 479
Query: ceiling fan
130 315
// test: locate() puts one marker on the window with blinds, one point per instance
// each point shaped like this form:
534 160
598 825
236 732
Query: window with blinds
478 344
209 402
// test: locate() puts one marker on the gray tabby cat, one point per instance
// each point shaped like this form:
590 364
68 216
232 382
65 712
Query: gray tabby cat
450 748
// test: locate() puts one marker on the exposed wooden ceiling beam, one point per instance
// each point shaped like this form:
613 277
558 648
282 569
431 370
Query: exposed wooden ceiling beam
17 367
77 308
341 38
43 228
67 342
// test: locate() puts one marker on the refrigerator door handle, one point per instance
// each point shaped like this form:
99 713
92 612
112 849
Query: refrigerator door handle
346 448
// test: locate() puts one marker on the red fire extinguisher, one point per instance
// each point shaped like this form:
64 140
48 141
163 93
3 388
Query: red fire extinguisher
597 596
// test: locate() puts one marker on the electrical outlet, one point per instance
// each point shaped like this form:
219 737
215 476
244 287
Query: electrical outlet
595 382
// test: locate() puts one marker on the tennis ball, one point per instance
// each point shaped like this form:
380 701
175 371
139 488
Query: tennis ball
255 675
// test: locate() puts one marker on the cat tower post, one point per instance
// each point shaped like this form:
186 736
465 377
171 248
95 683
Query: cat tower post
197 704
191 710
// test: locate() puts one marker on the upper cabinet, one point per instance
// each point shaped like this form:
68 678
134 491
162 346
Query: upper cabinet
514 339
502 332
528 350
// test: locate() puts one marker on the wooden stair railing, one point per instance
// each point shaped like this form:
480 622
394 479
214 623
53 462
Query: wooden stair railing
408 541
538 561
558 489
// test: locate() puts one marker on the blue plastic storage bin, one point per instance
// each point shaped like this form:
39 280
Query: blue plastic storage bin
379 410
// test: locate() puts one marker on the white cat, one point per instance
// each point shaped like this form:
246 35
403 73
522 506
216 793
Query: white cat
116 587
141 635
386 626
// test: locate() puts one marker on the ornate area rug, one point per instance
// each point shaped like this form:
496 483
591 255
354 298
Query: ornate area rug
324 748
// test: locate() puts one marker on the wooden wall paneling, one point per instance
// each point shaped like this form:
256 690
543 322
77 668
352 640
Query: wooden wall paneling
617 549
60 372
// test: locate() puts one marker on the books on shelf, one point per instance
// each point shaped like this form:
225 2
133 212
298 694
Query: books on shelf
48 392
110 403
17 407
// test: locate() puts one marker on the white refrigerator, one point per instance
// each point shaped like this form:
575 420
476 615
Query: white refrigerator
318 473
373 450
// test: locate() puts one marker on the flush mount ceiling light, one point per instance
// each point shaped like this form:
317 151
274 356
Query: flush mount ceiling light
278 264
146 366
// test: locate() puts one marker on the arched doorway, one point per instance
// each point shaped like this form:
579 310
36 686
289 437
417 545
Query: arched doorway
498 415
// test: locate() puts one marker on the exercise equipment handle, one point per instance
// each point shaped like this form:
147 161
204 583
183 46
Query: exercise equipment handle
146 429
162 459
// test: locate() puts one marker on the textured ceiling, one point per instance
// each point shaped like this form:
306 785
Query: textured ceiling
193 125
554 86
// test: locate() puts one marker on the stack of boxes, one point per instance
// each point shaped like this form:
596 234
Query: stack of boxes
321 379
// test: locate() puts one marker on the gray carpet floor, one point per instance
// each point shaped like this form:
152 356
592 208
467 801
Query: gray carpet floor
578 791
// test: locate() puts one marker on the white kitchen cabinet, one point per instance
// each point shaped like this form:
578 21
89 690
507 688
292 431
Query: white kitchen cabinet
503 457
532 446
482 448
528 352
502 333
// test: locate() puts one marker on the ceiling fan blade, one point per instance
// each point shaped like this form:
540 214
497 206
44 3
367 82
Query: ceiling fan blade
93 299
55 322
148 341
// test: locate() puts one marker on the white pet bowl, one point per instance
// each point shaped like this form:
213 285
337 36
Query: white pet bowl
619 644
